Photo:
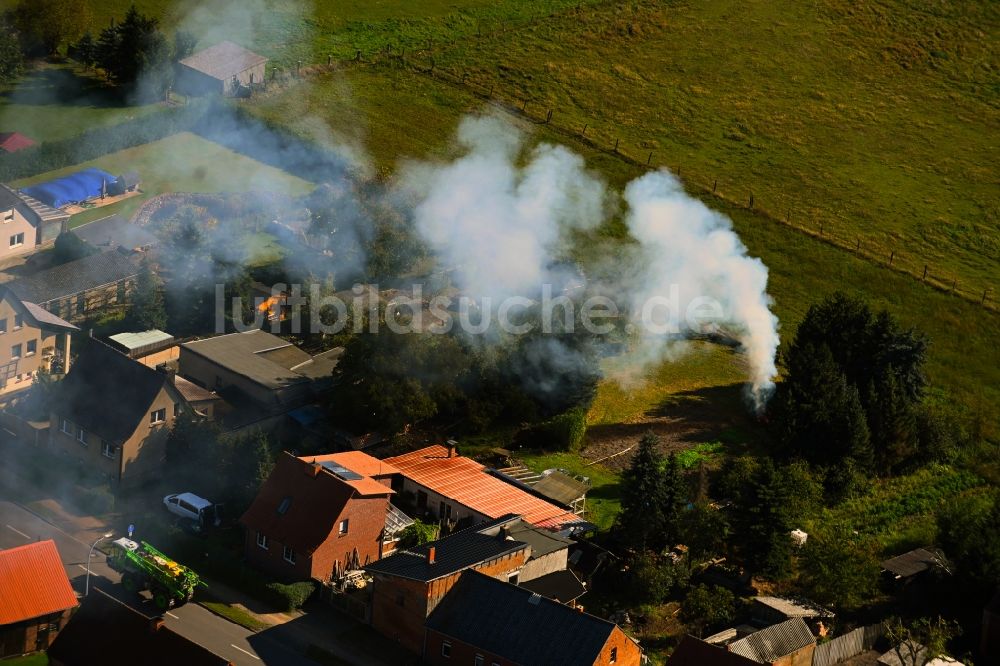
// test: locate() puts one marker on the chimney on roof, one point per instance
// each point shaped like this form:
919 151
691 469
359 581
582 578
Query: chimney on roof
314 469
431 552
171 373
452 444
154 624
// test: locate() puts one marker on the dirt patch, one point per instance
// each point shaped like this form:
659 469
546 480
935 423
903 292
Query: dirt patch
679 422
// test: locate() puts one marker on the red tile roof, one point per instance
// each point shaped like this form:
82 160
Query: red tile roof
315 500
467 482
356 461
33 582
14 141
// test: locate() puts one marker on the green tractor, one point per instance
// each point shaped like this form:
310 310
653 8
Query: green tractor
144 568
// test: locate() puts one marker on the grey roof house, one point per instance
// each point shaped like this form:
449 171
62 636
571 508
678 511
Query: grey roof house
26 223
270 372
113 414
77 289
485 617
221 69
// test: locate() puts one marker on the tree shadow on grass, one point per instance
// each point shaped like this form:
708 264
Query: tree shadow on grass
717 413
59 86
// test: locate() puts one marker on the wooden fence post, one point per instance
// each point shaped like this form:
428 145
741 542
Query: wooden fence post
715 184
923 278
616 144
583 132
751 200
859 244
892 255
985 292
649 158
954 284
548 116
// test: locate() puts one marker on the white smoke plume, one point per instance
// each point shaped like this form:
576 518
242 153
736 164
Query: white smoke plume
695 248
504 225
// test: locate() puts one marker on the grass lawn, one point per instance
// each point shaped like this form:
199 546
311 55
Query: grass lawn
37 659
53 102
871 118
291 30
180 163
698 365
234 614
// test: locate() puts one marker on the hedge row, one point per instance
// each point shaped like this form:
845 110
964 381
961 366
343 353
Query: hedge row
98 141
563 432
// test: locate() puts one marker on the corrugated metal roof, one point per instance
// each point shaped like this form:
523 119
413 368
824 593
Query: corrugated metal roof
794 607
33 582
911 563
74 277
776 641
223 60
465 481
695 652
136 340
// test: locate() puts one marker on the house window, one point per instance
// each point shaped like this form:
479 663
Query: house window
446 649
108 450
32 347
614 655
15 352
177 409
157 416
8 216
343 527
289 555
17 240
283 507
262 540
81 436
66 427
3 325
18 322
512 579
480 660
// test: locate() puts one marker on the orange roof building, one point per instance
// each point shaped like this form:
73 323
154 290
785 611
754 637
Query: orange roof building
36 598
11 142
318 516
456 488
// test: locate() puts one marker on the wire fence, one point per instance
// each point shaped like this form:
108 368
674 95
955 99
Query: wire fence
896 259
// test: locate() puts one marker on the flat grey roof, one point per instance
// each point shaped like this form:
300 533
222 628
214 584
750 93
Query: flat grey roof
135 340
262 358
223 60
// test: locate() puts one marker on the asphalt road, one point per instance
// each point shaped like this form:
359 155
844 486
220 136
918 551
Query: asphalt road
19 526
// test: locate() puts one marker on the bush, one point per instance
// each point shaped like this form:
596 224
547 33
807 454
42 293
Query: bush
289 597
563 432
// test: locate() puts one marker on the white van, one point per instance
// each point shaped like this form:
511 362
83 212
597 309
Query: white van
192 507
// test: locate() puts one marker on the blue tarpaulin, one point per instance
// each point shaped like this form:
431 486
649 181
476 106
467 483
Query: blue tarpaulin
73 188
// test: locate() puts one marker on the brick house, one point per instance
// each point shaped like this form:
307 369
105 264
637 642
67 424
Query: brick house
36 599
26 223
408 586
317 516
486 621
459 490
30 339
113 414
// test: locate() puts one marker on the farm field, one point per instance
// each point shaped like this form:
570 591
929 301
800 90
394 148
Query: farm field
53 102
183 162
963 360
876 120
288 31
